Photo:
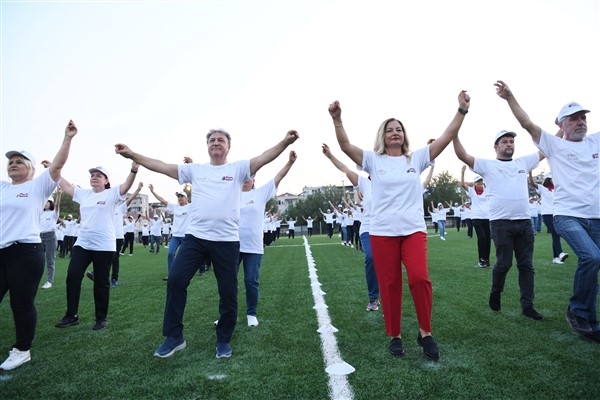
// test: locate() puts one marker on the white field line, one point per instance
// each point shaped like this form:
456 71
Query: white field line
339 388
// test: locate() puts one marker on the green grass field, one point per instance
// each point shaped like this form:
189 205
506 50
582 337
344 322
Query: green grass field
484 355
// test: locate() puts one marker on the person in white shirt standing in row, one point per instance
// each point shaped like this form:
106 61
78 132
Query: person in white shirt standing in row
96 242
156 225
575 164
510 223
252 214
480 216
48 220
21 251
181 219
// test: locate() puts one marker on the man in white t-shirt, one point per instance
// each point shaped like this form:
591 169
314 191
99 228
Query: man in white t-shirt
510 224
575 164
213 232
156 225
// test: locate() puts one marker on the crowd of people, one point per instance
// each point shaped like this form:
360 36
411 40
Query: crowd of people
227 224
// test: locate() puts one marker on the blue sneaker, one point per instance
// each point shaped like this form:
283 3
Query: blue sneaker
170 346
223 350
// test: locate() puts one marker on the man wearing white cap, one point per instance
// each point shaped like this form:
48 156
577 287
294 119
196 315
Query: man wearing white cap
510 223
574 163
213 232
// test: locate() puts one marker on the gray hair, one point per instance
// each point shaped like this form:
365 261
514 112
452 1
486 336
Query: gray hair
213 131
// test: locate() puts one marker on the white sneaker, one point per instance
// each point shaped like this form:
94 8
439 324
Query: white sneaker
15 358
556 260
121 254
563 256
47 285
443 238
252 321
130 255
216 323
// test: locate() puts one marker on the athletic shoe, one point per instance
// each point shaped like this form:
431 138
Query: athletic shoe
531 313
556 260
90 274
121 254
443 238
495 301
166 278
114 283
563 256
15 359
67 321
130 255
99 325
223 350
430 348
577 323
252 321
170 346
396 347
373 305
47 285
216 323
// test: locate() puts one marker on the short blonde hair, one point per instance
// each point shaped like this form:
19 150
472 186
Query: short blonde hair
379 147
30 166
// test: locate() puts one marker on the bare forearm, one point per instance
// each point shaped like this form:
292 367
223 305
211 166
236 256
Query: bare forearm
60 158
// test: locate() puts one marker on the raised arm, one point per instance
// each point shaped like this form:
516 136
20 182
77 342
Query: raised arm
269 155
134 195
61 156
352 176
125 186
57 201
286 168
355 153
162 200
504 92
152 164
531 181
67 187
435 148
464 184
462 154
429 176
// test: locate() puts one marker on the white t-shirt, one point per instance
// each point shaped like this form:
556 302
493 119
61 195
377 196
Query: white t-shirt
456 212
309 222
291 224
48 220
181 218
97 228
575 169
156 225
20 209
328 217
507 185
70 227
252 217
145 230
60 232
120 210
397 192
547 200
129 226
166 228
364 185
216 190
467 213
480 203
533 209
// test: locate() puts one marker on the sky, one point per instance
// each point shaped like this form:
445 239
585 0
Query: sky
158 75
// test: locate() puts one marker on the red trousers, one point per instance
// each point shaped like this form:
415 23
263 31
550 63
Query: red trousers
389 253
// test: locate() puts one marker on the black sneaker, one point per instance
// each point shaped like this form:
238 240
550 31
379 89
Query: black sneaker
577 323
67 321
594 336
90 274
99 325
114 283
429 346
396 347
530 312
495 301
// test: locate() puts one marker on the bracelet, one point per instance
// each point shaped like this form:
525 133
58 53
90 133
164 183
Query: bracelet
133 172
462 111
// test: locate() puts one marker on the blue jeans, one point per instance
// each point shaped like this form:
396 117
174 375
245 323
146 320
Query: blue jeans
514 236
372 283
251 270
155 239
583 235
193 253
344 234
173 246
442 226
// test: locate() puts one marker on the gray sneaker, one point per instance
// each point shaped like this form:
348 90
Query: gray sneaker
373 305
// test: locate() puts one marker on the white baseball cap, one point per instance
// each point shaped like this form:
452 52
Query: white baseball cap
503 133
570 109
548 175
477 178
22 153
180 194
100 169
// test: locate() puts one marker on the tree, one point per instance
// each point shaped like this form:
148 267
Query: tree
68 206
